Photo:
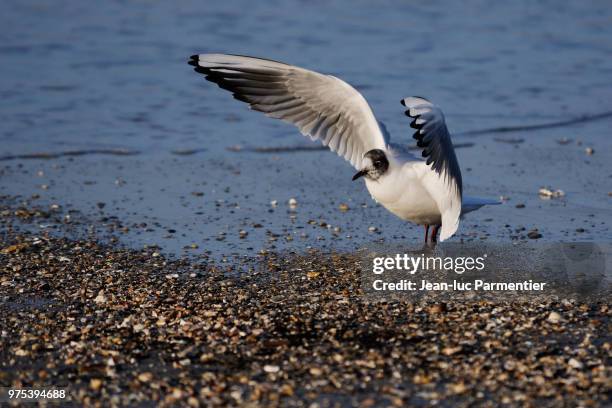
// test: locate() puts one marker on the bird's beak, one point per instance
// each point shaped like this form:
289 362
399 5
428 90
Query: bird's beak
360 173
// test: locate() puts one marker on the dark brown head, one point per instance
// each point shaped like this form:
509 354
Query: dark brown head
375 164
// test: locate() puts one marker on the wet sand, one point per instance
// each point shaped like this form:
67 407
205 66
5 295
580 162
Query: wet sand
235 204
121 326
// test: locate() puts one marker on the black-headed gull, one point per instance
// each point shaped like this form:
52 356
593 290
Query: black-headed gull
424 191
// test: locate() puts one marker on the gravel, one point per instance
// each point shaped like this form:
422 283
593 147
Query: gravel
118 326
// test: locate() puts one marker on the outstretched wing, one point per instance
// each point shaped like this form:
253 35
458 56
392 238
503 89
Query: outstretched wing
321 106
444 183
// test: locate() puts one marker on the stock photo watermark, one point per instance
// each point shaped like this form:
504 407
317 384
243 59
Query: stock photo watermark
505 270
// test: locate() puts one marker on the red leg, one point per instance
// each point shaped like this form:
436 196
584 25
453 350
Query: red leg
426 232
434 233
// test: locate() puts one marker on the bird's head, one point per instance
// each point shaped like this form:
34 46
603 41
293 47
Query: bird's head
375 164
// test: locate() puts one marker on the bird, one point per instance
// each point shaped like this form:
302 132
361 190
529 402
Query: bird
426 190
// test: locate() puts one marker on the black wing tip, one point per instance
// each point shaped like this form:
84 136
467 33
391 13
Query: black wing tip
407 113
201 70
402 102
193 60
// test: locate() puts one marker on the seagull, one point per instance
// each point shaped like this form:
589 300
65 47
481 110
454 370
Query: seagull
425 190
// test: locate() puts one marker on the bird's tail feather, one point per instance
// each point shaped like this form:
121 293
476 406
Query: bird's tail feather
470 204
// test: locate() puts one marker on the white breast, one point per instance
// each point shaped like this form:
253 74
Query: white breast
401 192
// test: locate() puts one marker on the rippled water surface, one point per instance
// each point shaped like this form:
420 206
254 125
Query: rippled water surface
81 77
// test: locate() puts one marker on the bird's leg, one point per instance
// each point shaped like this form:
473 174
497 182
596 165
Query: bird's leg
426 232
434 233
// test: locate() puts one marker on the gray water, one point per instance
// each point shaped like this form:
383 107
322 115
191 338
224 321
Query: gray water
77 76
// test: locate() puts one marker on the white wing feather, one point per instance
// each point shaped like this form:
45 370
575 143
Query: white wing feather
321 106
442 176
